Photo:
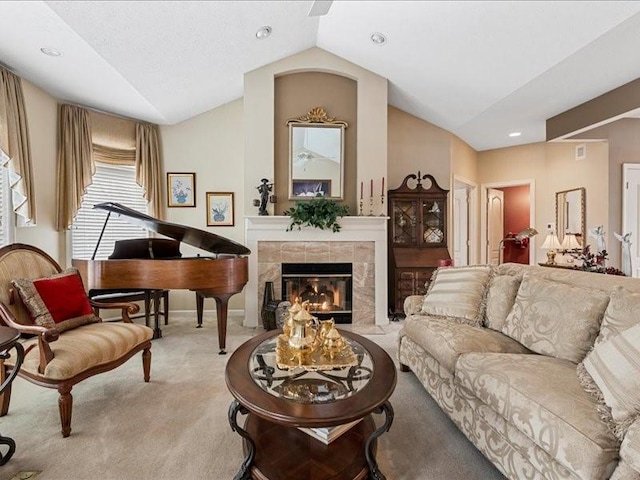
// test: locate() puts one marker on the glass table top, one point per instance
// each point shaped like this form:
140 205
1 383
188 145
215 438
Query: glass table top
309 387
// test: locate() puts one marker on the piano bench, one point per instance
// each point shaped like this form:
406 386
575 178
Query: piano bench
111 296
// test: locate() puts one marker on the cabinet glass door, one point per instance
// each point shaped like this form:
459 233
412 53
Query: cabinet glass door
433 218
405 219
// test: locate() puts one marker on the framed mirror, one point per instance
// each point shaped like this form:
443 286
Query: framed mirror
571 214
316 156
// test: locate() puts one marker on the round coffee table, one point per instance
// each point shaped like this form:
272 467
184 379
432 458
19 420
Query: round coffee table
9 340
279 402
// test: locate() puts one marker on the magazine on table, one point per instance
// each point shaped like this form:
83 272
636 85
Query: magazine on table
328 434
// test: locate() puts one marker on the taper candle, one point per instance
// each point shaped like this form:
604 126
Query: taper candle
371 189
382 185
361 187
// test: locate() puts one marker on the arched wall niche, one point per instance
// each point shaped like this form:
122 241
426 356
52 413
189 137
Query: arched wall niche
260 120
296 94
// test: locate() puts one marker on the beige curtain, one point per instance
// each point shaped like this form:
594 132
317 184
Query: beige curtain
148 168
15 152
75 162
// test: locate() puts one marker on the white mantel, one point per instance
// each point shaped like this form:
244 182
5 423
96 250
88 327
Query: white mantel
353 229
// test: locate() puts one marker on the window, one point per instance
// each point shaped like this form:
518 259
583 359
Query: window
111 183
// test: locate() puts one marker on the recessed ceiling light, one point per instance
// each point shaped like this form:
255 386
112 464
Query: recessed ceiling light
52 52
515 134
378 38
263 32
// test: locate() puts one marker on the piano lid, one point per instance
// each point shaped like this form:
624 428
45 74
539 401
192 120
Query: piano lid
197 238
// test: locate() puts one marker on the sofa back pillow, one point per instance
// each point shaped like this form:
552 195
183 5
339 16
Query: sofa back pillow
622 313
458 292
500 299
57 301
614 366
556 319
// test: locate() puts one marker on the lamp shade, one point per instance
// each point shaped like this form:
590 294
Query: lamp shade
551 242
570 242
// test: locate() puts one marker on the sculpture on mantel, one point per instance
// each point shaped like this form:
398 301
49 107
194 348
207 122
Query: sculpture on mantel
598 234
264 189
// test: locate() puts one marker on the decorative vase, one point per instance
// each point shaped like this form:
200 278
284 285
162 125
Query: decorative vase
269 296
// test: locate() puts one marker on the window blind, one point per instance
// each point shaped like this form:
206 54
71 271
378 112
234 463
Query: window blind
111 183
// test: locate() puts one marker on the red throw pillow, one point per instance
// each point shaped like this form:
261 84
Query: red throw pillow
57 301
64 297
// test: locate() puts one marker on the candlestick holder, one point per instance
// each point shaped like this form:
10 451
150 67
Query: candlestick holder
371 206
382 214
360 211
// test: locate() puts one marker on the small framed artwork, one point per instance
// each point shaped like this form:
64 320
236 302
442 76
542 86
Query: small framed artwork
219 209
311 188
181 189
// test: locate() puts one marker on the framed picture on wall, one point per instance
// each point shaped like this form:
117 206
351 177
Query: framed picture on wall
219 209
181 189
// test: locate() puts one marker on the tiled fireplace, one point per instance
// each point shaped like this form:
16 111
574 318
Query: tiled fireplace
361 242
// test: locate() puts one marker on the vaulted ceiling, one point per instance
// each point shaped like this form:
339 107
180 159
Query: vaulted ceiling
478 69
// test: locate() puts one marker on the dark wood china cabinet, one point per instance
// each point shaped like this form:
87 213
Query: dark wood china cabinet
417 237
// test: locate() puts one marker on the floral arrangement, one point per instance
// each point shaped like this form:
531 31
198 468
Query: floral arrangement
595 262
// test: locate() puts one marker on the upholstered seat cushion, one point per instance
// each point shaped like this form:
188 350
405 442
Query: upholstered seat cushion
445 339
541 397
86 347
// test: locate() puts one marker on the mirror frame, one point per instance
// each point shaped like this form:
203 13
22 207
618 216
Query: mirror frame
560 199
316 118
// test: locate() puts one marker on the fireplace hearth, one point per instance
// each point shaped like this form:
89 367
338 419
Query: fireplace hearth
326 286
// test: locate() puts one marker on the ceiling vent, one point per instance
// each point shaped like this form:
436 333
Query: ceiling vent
320 8
581 151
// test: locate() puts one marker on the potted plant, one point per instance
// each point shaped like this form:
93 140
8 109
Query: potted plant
318 212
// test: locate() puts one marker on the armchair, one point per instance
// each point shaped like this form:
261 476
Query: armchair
62 352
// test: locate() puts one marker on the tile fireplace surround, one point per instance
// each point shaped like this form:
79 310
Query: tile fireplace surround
361 241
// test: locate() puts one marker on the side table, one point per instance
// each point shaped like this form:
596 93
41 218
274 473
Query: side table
8 341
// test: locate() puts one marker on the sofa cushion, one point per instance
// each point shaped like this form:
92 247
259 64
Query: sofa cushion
58 301
614 366
458 292
556 319
445 339
630 449
500 299
85 347
542 398
622 313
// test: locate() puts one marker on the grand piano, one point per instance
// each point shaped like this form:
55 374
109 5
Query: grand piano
156 264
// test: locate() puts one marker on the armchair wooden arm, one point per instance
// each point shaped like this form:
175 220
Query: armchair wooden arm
127 308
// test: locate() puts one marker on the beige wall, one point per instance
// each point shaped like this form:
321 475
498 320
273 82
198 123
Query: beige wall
624 147
553 168
295 95
41 111
211 145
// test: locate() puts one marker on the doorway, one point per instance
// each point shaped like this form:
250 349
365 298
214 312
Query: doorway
631 211
509 208
464 222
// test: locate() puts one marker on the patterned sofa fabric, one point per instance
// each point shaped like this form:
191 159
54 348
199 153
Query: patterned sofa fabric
541 397
630 449
555 318
446 339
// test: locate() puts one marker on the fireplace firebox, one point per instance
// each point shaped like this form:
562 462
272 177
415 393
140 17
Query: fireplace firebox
326 286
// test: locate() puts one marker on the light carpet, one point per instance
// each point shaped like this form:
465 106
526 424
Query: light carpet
176 427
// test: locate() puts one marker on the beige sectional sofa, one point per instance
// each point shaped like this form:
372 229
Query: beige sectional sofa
539 367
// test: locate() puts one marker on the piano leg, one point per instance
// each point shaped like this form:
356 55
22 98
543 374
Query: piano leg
157 333
222 301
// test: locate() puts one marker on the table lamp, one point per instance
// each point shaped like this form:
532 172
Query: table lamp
570 242
551 243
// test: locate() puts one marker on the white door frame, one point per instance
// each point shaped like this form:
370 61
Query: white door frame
635 236
483 215
472 219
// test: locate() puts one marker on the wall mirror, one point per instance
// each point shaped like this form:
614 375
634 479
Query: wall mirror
316 156
571 214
